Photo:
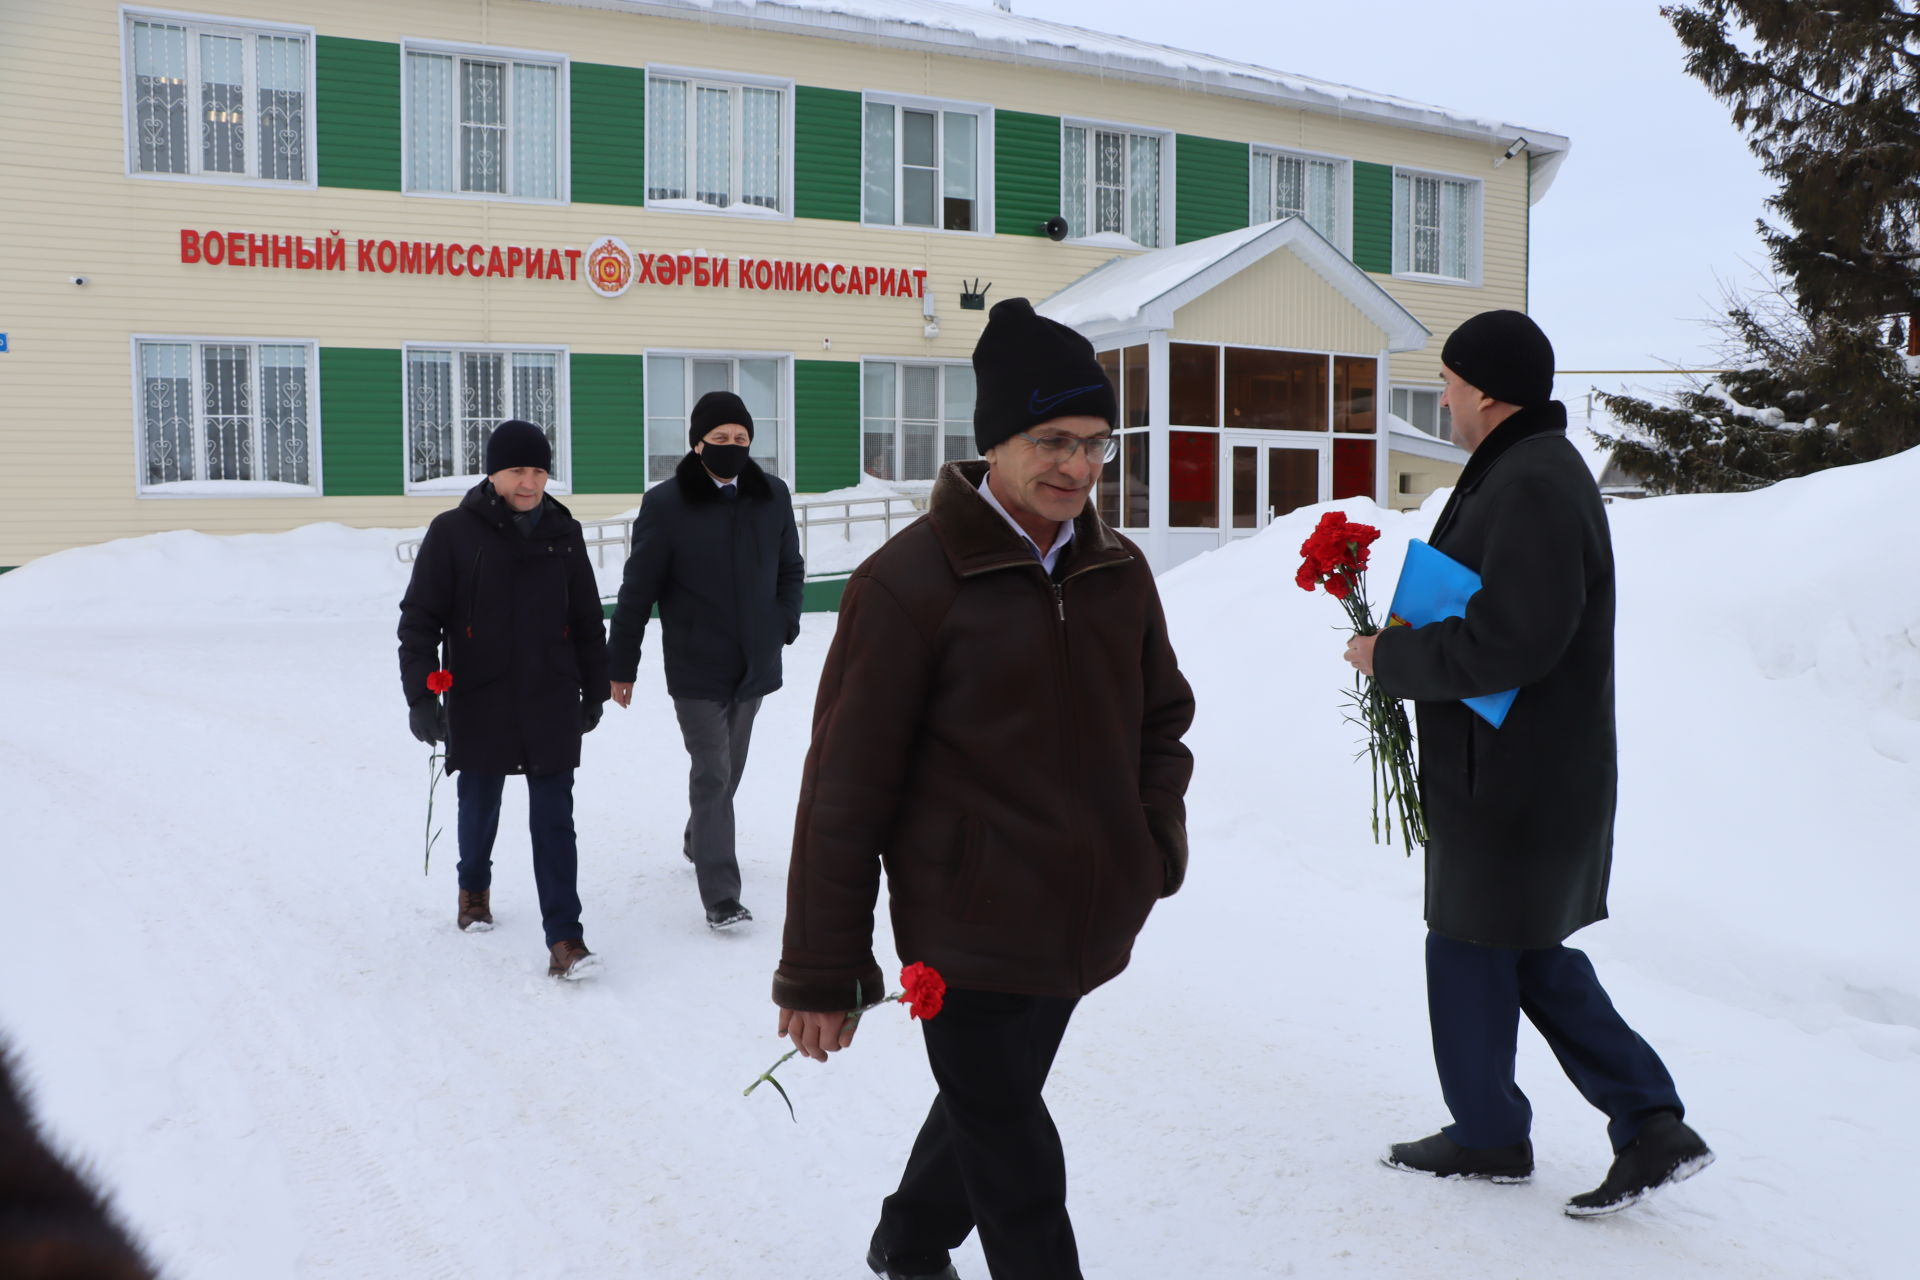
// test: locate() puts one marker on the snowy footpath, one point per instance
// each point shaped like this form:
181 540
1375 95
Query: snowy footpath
239 1000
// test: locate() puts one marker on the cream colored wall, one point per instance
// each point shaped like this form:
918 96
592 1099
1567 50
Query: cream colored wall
1425 475
66 409
1279 302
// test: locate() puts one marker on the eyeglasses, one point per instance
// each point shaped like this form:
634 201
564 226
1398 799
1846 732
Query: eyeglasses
1060 448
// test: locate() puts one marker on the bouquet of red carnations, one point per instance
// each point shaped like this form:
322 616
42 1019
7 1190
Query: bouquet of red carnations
1335 559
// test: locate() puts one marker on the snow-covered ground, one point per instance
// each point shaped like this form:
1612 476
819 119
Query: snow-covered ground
239 999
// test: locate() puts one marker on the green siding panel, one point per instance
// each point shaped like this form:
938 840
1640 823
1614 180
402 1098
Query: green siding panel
826 153
608 106
362 430
826 424
609 419
1210 192
1373 217
357 113
1026 172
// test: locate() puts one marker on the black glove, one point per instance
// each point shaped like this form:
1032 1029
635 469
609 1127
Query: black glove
590 713
793 631
428 720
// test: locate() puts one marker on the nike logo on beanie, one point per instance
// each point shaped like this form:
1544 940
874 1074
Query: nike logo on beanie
1036 404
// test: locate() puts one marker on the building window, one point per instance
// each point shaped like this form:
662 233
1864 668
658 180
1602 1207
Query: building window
1122 494
1436 226
217 101
1421 407
915 417
675 384
1297 186
226 413
715 145
922 166
1110 183
483 125
456 396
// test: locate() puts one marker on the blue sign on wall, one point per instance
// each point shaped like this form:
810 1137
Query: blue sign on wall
3 342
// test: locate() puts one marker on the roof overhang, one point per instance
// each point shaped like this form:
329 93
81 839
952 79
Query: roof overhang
1141 293
980 31
1404 437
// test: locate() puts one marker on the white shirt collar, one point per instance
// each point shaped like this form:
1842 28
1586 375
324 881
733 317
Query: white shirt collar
1048 558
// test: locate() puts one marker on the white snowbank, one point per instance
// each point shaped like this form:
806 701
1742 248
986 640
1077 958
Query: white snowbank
240 1000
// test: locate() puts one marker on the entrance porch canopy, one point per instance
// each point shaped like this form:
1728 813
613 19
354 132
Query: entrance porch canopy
1276 399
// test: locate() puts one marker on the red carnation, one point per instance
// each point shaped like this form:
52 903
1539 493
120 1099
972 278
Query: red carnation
1339 587
439 681
924 990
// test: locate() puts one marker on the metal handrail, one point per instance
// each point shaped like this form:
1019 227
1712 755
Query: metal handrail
600 534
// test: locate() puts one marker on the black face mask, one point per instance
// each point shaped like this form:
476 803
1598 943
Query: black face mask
725 460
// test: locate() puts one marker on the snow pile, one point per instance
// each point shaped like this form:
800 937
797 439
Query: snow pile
238 997
316 571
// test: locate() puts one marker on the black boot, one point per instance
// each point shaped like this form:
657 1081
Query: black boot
1664 1151
1441 1157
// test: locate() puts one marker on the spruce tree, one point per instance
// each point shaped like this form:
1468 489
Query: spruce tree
1828 95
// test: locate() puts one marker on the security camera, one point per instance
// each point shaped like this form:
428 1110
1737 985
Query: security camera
79 279
1519 145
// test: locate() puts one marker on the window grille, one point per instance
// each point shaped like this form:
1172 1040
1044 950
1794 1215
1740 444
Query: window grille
483 126
1435 229
225 411
217 101
457 396
1292 186
1111 183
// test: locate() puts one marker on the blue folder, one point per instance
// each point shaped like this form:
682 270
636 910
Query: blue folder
1433 585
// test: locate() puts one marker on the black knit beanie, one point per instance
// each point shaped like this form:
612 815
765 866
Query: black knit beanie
515 443
1505 355
1028 370
717 409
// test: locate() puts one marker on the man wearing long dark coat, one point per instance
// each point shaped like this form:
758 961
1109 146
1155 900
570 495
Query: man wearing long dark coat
1521 816
998 726
716 548
504 598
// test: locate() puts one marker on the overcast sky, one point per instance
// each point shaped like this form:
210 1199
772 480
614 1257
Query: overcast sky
1654 205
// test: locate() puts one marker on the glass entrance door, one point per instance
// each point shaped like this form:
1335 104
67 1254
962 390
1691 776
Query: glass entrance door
1268 479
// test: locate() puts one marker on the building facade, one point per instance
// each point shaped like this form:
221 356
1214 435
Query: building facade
270 264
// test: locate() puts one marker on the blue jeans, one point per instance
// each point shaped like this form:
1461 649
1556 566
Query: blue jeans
1475 996
556 858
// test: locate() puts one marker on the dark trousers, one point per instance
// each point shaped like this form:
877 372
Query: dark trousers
556 857
988 1156
717 735
1475 996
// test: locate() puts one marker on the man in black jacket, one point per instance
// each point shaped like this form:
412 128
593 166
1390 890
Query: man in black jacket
716 549
503 583
1521 817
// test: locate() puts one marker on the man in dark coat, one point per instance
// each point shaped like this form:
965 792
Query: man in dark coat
998 727
1521 817
504 598
716 549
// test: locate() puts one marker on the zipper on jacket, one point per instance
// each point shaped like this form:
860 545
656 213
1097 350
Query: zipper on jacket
1060 600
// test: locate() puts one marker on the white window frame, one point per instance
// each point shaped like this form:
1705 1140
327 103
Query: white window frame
1341 234
224 489
562 119
898 362
783 444
696 78
1476 234
1168 236
983 115
1442 415
200 23
560 478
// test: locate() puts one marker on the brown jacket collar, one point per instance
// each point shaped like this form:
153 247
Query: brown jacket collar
977 540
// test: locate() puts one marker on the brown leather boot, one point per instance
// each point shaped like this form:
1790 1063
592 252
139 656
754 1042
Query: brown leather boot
570 959
475 915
